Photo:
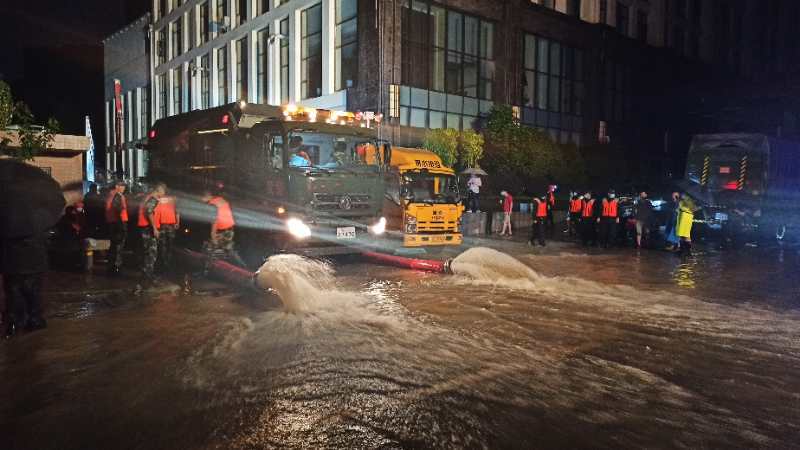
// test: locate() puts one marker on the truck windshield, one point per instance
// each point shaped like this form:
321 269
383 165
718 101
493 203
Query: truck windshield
329 151
426 187
726 169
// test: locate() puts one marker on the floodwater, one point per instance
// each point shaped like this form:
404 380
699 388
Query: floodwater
516 350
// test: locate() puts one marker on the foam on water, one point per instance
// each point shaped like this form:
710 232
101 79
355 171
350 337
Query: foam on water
308 287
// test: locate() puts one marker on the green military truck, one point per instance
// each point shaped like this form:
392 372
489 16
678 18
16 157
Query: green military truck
296 177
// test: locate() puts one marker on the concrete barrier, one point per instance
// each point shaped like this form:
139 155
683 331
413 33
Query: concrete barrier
474 224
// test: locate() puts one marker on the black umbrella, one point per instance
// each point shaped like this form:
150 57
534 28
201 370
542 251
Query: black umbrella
30 200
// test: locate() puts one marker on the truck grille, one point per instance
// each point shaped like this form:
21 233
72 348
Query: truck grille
341 202
433 226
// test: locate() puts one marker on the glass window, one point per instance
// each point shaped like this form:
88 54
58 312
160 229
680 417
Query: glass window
222 75
284 61
262 43
241 69
161 46
574 8
222 11
262 6
177 38
205 82
177 91
204 23
623 17
641 25
143 107
162 95
603 11
346 44
311 52
192 28
444 50
241 12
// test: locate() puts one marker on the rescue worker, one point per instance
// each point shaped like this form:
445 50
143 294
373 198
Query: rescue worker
609 219
116 210
588 217
551 206
574 217
539 216
220 241
686 209
149 228
170 220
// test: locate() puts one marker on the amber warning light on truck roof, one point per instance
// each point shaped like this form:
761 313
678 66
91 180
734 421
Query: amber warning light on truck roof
302 113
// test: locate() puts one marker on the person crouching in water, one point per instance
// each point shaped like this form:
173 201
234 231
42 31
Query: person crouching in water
508 206
539 213
220 242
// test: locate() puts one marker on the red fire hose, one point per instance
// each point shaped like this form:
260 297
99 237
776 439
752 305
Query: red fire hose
223 270
427 265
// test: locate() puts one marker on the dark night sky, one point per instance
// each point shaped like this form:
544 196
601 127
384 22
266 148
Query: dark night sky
52 55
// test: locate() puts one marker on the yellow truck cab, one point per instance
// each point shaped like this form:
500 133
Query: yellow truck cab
422 201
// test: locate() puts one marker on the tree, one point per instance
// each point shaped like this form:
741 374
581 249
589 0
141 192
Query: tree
471 148
524 157
444 143
32 138
6 105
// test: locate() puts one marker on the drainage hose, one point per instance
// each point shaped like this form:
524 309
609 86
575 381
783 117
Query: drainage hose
222 270
427 265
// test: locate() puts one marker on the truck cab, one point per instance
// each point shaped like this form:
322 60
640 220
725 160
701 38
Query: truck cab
422 201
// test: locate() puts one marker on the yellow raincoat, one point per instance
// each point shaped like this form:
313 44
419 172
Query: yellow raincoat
686 210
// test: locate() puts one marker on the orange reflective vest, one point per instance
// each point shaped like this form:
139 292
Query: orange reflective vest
224 218
575 205
111 214
588 209
541 208
610 208
165 211
143 221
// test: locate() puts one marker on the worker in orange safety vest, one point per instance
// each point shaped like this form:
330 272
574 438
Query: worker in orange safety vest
609 219
539 216
116 212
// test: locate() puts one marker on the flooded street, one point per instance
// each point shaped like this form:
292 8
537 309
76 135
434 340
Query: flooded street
561 349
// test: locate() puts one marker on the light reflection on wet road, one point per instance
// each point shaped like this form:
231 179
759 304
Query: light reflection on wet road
555 350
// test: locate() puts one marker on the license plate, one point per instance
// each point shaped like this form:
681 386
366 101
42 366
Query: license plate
346 233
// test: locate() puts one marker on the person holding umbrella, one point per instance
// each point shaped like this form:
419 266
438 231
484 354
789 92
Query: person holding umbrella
37 204
117 219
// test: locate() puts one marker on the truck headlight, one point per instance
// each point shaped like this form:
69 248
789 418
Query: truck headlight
298 229
379 227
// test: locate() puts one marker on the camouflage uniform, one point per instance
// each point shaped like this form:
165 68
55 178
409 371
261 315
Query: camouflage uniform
119 234
166 238
149 241
221 249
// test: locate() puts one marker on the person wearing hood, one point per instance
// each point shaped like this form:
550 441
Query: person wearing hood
508 207
539 216
609 219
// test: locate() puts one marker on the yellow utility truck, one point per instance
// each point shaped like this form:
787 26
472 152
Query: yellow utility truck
422 201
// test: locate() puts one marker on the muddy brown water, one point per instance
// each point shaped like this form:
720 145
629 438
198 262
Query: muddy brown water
517 350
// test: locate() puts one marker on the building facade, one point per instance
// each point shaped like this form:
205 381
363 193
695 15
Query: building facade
127 59
588 72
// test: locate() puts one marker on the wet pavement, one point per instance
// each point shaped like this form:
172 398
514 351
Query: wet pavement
522 348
